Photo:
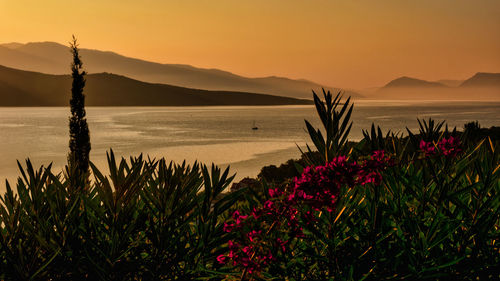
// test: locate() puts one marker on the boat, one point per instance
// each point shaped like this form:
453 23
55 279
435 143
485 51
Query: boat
254 126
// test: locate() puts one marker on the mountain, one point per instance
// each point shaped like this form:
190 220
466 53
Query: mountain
482 86
450 82
12 45
408 82
26 88
483 80
54 58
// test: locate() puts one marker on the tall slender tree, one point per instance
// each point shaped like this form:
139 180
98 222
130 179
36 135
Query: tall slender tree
79 143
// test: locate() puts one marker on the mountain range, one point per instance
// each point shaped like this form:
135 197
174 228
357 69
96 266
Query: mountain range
480 79
174 80
481 86
405 81
54 58
27 88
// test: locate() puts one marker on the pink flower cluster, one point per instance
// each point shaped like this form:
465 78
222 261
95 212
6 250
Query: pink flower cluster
427 147
450 146
447 146
319 186
254 247
271 227
246 257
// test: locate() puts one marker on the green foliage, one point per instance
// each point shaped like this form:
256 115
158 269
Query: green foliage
376 139
335 118
79 143
433 217
146 220
429 130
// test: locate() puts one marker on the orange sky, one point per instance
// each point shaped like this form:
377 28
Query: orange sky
344 43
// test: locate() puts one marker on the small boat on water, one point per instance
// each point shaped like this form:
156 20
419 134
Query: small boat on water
254 127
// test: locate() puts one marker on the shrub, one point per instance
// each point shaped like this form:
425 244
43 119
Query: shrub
146 220
425 207
420 207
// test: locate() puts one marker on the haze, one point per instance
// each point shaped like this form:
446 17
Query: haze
352 44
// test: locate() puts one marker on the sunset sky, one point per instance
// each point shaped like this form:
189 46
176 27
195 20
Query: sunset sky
344 43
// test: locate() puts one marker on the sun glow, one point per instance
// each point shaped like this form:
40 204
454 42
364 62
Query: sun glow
340 43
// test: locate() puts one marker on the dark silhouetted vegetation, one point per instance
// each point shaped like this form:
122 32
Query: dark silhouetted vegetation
147 220
79 142
421 206
431 213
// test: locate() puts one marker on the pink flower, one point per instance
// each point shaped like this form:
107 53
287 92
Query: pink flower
317 188
256 213
378 155
253 234
450 146
232 255
281 244
372 177
427 147
275 192
318 185
221 259
238 218
268 204
228 227
248 250
232 245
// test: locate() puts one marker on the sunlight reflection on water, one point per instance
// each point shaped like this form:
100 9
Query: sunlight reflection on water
209 134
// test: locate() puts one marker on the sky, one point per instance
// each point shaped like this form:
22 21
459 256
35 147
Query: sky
342 43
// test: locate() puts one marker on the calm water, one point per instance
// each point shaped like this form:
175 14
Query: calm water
222 135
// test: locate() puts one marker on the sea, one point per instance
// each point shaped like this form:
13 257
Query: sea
222 135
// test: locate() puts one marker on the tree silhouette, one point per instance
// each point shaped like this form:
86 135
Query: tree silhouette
79 143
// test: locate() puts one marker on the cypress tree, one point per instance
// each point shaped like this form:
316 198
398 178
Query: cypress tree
79 143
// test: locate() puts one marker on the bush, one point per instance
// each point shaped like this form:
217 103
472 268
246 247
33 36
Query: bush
419 207
147 220
422 206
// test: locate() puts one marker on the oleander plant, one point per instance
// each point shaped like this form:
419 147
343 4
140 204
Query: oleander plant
416 206
421 207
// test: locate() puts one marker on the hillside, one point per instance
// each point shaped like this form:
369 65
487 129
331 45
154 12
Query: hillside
53 58
483 80
450 82
25 88
482 86
408 82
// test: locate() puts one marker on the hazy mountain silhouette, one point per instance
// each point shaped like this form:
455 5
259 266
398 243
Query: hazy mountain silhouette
482 86
483 80
12 45
26 88
54 58
450 82
409 82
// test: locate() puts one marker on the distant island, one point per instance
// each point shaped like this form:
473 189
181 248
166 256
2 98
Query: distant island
411 82
483 80
480 80
481 86
26 88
